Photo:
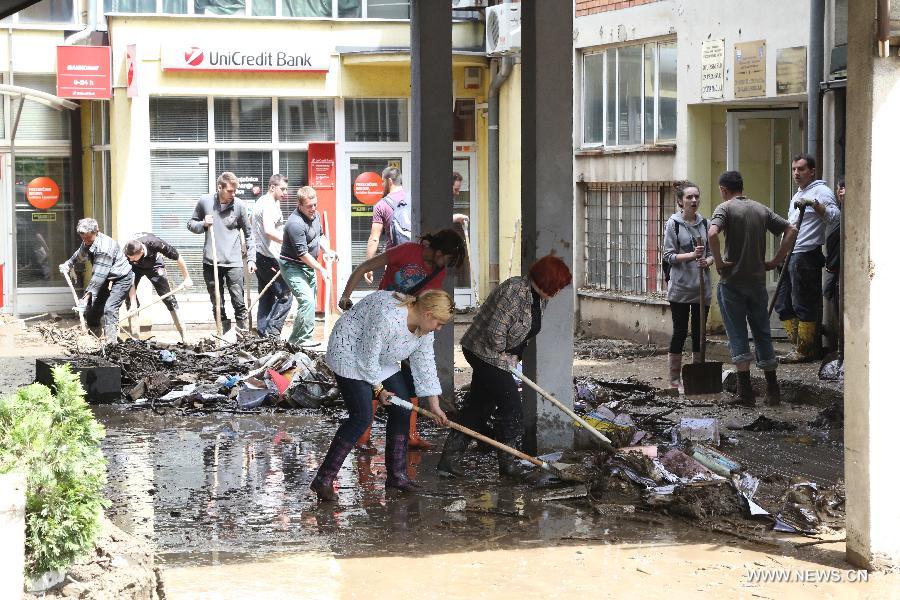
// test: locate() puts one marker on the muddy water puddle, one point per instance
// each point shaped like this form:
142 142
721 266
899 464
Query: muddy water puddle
206 489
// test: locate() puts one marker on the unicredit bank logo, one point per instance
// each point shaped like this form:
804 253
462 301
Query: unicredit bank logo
193 56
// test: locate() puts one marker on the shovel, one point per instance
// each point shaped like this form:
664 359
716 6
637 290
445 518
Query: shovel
215 257
703 377
601 439
556 472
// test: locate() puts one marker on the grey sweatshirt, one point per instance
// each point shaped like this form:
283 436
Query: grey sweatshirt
684 277
228 222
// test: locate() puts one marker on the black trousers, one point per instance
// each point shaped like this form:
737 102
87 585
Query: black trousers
680 313
160 281
231 279
106 304
800 296
492 388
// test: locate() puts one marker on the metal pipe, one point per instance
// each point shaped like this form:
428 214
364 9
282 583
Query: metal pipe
89 28
815 73
14 267
499 74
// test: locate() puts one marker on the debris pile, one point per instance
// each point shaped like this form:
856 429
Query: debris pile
677 466
243 375
605 349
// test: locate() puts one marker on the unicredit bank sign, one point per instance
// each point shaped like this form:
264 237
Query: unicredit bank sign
198 57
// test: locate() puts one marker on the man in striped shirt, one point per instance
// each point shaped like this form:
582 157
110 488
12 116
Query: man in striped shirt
110 282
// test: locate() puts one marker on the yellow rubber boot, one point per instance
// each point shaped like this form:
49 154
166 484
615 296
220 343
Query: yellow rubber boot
806 344
790 328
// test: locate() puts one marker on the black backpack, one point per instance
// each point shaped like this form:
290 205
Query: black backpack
666 265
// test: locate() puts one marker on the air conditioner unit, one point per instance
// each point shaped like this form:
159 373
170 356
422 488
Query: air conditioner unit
503 29
468 4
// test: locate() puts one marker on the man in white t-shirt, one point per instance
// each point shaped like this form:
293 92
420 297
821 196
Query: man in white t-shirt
268 228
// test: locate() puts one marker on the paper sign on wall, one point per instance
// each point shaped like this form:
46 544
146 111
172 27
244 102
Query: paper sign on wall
712 70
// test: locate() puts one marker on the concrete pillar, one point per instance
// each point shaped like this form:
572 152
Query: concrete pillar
432 142
12 535
548 195
871 326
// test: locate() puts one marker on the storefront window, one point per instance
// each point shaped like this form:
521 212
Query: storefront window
131 6
305 120
177 180
45 220
306 8
462 204
361 215
243 119
219 7
264 8
388 9
39 122
253 170
349 9
376 120
178 119
49 11
294 166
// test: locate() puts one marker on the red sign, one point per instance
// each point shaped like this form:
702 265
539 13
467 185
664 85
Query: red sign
320 164
42 192
83 72
368 188
321 171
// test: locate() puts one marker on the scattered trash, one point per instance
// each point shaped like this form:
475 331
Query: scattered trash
167 357
715 461
832 370
456 506
696 430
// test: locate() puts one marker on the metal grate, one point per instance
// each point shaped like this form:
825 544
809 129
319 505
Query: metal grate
624 226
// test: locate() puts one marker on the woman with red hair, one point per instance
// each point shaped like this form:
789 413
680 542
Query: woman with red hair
495 342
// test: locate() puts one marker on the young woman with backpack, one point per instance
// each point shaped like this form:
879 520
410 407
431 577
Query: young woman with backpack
686 254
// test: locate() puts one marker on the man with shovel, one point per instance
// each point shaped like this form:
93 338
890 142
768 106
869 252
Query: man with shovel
145 254
110 281
222 218
742 292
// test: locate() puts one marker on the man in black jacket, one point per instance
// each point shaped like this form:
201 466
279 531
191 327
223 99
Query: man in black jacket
145 254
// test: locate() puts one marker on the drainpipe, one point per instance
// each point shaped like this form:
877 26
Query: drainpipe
499 74
815 74
91 27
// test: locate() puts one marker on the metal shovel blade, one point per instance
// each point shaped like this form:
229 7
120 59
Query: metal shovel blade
702 378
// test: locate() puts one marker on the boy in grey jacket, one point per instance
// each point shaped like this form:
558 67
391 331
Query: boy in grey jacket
228 217
687 255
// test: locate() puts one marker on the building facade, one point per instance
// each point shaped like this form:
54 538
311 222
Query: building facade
670 90
316 90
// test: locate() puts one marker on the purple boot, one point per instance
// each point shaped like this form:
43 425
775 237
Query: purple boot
395 460
323 483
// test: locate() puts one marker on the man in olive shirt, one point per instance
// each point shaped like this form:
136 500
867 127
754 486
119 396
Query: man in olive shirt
742 294
303 242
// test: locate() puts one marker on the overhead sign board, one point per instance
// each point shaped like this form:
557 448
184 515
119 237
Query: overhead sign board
131 70
83 72
200 57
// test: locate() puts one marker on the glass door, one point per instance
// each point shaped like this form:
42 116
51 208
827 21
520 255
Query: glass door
363 192
760 146
464 187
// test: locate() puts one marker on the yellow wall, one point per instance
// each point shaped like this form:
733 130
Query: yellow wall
511 173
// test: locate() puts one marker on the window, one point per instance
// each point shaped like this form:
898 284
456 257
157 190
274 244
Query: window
252 169
294 166
464 120
305 120
376 120
624 226
328 9
178 119
49 11
243 119
39 122
629 95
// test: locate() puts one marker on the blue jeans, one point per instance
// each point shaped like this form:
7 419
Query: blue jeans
741 308
357 395
301 279
274 305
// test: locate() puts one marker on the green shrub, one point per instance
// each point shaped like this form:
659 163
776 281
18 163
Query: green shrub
55 440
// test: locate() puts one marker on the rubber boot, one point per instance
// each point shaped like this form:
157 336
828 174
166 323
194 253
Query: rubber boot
509 464
773 390
454 447
363 444
674 370
177 321
744 390
415 442
806 344
323 483
395 461
790 328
